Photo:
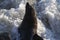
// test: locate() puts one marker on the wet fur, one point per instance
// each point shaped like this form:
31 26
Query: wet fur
36 37
28 27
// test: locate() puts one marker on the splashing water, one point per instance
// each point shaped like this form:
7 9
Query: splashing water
48 13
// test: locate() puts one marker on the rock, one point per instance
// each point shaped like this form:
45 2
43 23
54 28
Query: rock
8 4
5 36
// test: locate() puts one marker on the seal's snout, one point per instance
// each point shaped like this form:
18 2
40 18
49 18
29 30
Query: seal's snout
27 3
28 6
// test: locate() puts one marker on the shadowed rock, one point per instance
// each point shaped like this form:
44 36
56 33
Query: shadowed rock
28 27
5 36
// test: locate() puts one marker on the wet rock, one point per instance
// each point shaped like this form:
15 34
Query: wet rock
5 36
8 4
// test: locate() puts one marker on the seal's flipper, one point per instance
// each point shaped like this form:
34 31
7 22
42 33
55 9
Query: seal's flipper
36 37
29 24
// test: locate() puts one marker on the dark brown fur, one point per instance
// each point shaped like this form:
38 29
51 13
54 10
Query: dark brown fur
36 37
28 26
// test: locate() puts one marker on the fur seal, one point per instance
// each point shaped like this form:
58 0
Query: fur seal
28 27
